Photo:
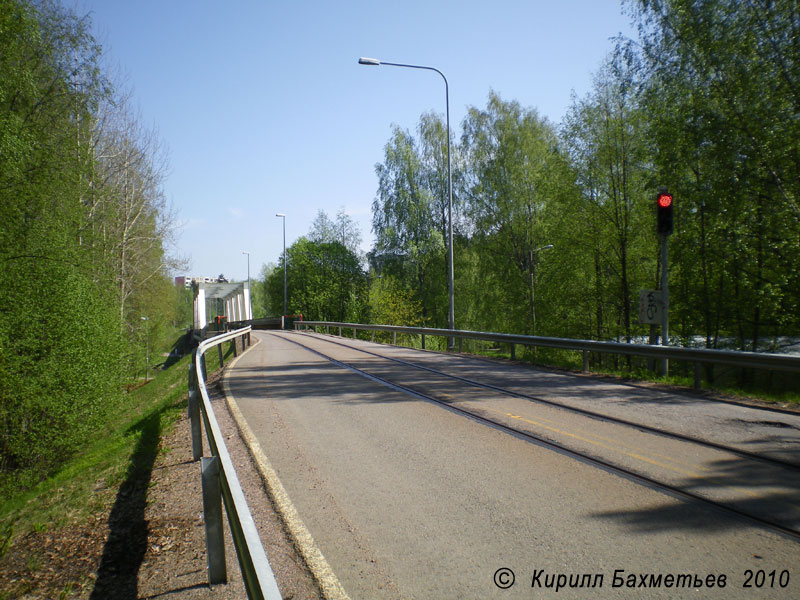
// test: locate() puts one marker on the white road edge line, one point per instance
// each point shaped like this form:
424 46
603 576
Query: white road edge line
304 542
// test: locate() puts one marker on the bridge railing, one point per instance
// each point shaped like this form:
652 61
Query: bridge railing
221 483
697 356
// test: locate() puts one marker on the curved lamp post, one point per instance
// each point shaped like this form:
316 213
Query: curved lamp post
533 288
375 63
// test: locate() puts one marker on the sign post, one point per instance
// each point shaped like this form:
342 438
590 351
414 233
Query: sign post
651 309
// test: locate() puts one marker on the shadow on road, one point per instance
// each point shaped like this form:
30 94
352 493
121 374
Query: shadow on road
767 492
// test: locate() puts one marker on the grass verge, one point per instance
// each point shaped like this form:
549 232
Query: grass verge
116 462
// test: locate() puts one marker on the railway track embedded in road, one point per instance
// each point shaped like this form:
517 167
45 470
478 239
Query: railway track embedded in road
563 449
582 411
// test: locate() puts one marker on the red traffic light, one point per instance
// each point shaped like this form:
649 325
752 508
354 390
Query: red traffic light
664 205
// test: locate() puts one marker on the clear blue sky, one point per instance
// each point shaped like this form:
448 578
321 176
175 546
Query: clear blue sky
265 109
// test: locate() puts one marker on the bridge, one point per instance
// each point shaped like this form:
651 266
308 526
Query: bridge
417 474
211 300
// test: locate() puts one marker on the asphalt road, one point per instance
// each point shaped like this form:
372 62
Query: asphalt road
407 499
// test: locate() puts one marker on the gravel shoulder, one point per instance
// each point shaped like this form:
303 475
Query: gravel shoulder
179 571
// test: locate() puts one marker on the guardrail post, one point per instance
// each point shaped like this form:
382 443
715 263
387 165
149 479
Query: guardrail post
221 361
233 345
212 515
460 344
194 422
394 338
355 331
373 336
423 341
340 331
513 352
585 361
192 376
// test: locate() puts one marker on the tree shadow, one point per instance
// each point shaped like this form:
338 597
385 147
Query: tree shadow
182 346
747 486
180 590
126 545
766 492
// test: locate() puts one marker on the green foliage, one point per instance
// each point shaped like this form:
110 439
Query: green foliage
392 304
721 86
325 282
54 386
409 216
183 307
69 332
705 103
75 487
606 140
261 300
519 180
342 230
59 353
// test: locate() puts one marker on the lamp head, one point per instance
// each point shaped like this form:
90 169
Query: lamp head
369 61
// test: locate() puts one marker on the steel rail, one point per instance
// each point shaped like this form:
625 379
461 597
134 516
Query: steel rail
258 577
565 450
735 358
582 411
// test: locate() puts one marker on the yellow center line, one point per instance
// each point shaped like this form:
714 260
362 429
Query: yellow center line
635 455
606 446
617 445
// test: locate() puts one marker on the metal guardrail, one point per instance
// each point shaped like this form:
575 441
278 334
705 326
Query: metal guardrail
698 356
221 483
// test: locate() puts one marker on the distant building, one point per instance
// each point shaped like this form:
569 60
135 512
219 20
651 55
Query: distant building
187 280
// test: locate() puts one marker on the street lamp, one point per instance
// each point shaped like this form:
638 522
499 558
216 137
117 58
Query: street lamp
533 287
375 63
283 216
248 308
146 350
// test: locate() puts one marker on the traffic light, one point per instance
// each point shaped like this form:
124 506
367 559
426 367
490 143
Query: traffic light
664 204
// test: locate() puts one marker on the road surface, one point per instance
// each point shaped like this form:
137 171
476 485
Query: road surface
408 496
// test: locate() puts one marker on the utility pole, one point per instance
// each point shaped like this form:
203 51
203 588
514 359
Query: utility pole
285 288
146 350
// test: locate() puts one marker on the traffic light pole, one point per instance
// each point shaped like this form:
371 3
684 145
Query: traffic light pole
664 302
664 227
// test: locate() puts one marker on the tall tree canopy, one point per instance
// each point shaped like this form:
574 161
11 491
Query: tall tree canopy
721 85
517 178
82 242
706 102
325 279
